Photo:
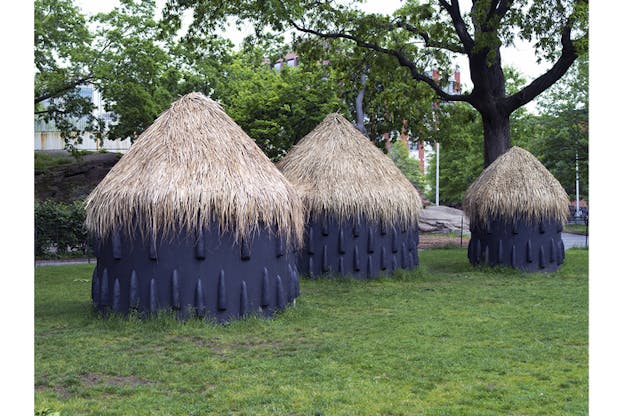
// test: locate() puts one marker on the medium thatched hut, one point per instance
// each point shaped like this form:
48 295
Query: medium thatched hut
517 210
195 218
362 212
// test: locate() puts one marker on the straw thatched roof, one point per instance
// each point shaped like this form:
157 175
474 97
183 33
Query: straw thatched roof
338 171
194 165
516 184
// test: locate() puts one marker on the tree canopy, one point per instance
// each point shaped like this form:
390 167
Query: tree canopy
425 35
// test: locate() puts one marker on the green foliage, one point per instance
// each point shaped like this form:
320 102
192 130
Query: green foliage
137 74
399 153
44 161
461 153
447 339
276 107
561 130
60 226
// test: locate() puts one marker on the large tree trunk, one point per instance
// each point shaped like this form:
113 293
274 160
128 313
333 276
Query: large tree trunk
496 136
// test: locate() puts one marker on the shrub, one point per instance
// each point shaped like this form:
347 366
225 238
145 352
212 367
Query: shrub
59 227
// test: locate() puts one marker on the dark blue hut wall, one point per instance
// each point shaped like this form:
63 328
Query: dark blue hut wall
356 248
531 247
209 275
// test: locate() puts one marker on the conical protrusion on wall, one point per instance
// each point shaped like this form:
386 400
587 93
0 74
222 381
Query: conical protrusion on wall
499 256
153 296
311 267
395 263
245 250
294 282
369 267
221 292
325 260
153 255
382 228
488 227
104 294
95 288
311 240
200 306
280 297
244 299
280 250
542 228
116 296
514 256
116 243
404 259
553 251
324 227
486 255
341 242
529 252
542 258
371 240
200 246
384 261
356 230
341 268
356 259
135 294
514 226
175 290
295 276
265 298
395 240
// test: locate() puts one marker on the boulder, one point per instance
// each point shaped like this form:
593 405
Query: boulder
442 219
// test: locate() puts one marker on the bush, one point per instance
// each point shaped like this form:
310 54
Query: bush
59 228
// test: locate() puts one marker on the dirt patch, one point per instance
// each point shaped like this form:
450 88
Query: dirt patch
92 379
433 240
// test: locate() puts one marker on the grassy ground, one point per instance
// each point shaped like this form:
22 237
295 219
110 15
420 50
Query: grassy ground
575 228
444 340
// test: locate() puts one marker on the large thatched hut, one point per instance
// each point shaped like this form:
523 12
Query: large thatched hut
195 218
517 210
361 211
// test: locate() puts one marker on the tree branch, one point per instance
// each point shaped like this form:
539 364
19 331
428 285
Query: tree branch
71 85
427 39
458 23
403 61
542 83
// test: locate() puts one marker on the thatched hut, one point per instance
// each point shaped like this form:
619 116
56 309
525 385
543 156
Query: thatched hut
195 218
361 211
517 210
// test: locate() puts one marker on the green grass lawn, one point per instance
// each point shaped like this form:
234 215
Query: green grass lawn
447 339
575 228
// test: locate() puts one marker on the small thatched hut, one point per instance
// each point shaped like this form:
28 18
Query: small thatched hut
362 212
195 218
517 210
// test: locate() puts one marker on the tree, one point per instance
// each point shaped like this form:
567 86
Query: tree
421 36
461 153
119 52
276 107
399 153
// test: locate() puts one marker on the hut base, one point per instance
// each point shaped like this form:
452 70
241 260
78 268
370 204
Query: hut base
356 249
521 245
210 275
